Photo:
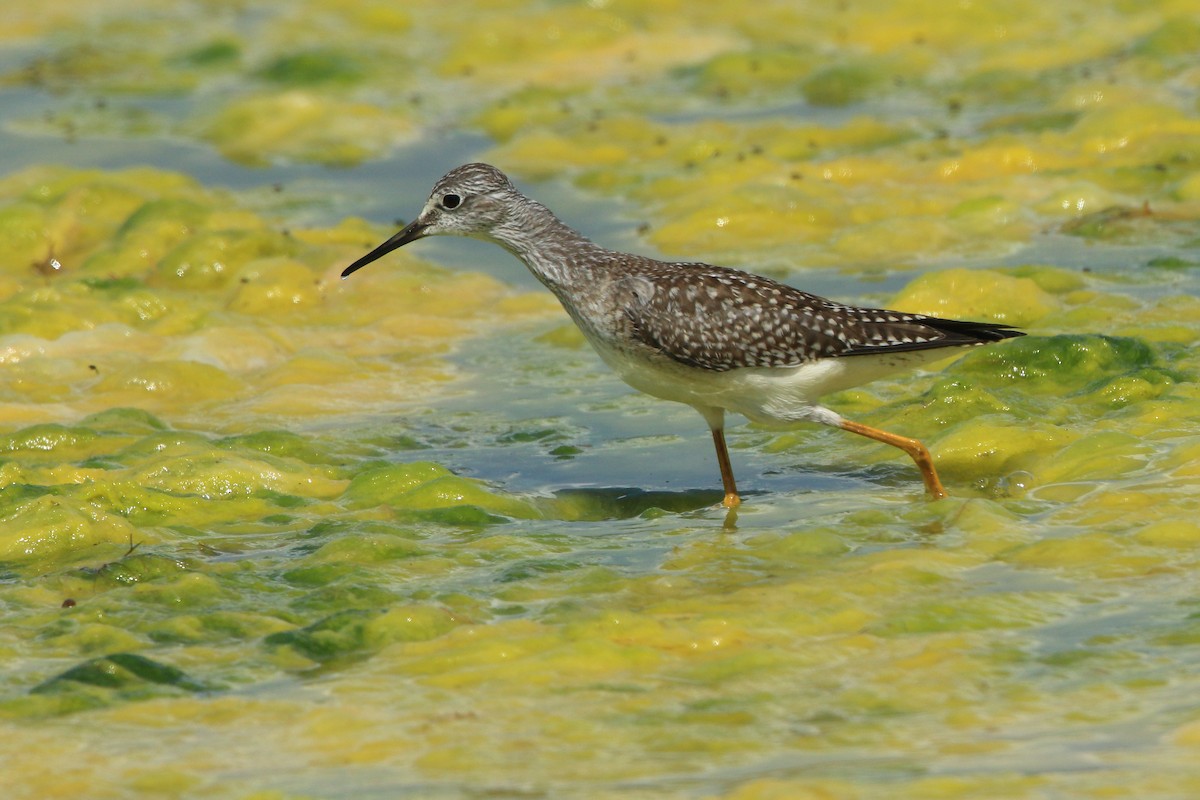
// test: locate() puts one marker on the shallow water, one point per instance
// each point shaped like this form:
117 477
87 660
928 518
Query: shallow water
265 533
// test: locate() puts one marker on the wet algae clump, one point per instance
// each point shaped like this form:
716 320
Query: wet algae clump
268 534
170 298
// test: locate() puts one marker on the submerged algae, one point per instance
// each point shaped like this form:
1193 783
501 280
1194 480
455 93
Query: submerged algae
840 637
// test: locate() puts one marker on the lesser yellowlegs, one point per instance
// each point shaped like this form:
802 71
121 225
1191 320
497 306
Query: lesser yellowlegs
714 338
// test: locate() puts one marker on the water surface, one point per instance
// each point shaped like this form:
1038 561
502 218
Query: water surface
265 533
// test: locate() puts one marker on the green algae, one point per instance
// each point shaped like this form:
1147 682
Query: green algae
340 635
763 70
314 67
1176 37
386 482
216 53
843 84
124 671
1076 365
138 568
50 437
355 633
207 459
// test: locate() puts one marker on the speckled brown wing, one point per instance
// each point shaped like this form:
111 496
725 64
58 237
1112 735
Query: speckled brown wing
720 319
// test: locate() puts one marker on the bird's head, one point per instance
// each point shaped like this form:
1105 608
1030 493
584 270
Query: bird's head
473 200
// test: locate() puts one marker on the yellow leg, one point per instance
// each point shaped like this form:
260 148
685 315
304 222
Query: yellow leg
914 448
731 493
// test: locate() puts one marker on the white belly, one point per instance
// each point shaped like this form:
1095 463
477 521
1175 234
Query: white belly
769 395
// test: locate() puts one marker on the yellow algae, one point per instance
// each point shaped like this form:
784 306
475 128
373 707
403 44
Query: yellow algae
354 232
539 147
203 261
989 528
95 638
1100 455
724 226
1170 533
450 492
965 615
177 254
1000 159
976 294
723 216
529 106
1125 127
1075 201
745 72
39 233
151 231
1183 461
989 216
410 624
215 475
992 160
30 21
877 243
895 639
571 44
52 528
1090 552
313 370
1054 280
785 789
165 782
210 626
159 384
921 563
233 348
884 227
304 125
1188 189
799 546
899 25
274 286
366 548
1091 42
983 447
1187 734
439 295
377 18
186 591
386 483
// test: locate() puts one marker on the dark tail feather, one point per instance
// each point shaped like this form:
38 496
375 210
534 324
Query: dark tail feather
954 333
971 332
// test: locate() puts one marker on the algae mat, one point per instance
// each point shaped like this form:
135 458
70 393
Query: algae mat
267 534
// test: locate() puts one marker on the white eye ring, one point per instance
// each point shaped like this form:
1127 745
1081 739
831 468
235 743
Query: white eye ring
451 201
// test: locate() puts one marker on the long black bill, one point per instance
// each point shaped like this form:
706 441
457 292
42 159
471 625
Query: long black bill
411 232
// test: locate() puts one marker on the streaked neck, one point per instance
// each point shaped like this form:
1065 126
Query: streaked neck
557 254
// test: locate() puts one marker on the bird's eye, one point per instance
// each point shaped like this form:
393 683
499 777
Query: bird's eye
451 201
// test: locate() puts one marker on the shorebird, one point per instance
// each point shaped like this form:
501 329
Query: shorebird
714 338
